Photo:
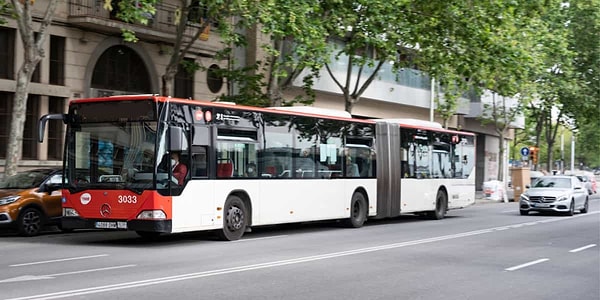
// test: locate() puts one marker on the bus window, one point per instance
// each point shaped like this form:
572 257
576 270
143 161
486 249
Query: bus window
418 159
304 156
199 162
275 161
236 159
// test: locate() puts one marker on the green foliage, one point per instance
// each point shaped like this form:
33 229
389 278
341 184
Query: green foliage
5 9
588 144
584 41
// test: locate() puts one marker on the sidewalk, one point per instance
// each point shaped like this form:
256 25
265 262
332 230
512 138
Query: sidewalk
480 199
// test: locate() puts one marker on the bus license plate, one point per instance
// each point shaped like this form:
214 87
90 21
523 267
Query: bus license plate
111 225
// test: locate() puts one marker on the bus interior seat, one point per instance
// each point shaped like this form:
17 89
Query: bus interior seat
225 170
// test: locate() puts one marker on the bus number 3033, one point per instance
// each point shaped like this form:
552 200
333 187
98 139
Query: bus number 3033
127 199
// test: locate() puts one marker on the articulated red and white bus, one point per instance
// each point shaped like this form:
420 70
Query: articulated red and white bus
246 166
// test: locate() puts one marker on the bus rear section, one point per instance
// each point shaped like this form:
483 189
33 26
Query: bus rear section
423 169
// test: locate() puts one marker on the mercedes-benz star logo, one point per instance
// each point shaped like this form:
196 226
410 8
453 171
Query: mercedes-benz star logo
105 210
542 199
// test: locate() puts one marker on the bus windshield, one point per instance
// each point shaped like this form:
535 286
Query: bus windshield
112 155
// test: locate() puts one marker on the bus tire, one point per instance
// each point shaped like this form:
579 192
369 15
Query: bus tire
235 219
440 206
358 211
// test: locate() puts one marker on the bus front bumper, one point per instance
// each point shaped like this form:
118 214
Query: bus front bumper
162 226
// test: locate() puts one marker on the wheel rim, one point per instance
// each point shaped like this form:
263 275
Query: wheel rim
31 222
235 218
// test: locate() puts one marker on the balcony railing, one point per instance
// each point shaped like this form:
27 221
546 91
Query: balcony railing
163 21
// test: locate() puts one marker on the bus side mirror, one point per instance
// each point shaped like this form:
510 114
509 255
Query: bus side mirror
44 119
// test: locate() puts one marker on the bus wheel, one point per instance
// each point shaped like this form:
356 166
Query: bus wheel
358 211
440 207
234 219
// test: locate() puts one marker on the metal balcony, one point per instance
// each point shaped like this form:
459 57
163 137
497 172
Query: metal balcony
91 14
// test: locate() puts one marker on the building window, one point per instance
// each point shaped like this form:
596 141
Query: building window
214 79
121 69
56 105
37 73
5 113
30 144
184 81
7 52
57 60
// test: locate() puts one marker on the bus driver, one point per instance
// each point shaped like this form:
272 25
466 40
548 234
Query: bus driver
179 169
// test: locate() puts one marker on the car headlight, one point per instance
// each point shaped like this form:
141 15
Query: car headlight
524 197
563 198
9 199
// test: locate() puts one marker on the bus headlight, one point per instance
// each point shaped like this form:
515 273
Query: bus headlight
152 215
70 212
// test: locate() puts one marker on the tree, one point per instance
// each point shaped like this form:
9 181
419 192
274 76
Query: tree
33 43
5 9
583 27
297 43
190 15
501 113
450 40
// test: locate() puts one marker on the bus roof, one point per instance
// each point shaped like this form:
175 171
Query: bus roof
292 110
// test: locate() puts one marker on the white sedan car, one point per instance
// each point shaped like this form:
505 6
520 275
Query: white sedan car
563 194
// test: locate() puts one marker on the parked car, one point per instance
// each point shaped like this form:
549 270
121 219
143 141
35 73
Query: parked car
586 183
588 178
592 179
557 193
31 199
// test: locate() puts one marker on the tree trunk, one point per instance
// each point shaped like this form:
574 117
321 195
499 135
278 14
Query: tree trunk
349 104
17 123
33 53
550 158
501 159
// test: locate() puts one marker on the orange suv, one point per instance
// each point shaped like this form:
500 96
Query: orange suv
31 199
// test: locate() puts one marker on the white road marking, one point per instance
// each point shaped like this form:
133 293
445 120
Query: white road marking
188 276
58 260
52 276
262 238
91 270
582 248
527 264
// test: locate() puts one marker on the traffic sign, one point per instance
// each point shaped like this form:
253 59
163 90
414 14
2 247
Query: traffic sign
525 151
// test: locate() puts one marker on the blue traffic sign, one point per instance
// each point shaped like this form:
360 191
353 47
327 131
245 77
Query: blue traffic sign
525 151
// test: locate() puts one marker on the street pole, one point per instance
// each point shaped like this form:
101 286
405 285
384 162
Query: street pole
562 152
573 152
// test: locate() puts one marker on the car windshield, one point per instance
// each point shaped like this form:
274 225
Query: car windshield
549 182
25 180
